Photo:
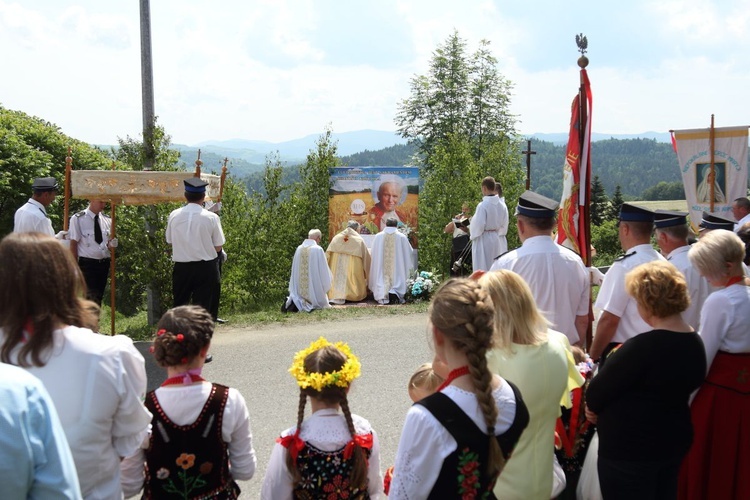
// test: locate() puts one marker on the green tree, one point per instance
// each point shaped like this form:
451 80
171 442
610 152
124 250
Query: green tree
615 204
665 191
599 202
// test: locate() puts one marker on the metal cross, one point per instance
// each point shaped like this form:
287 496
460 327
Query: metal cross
528 154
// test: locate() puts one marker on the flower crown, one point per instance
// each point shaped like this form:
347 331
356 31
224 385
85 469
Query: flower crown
319 381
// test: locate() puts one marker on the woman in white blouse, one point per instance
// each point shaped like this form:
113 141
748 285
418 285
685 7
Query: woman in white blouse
96 382
455 442
715 466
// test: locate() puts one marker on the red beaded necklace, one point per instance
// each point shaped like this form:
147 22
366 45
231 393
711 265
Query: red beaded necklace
734 279
453 375
184 379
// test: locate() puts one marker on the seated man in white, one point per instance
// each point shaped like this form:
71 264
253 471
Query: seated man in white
349 260
391 264
311 278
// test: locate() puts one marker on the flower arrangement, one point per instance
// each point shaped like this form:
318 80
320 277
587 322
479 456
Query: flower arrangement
319 381
420 286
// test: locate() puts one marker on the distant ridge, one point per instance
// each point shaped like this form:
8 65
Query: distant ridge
562 138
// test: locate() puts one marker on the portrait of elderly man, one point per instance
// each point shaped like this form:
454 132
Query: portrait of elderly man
349 261
389 193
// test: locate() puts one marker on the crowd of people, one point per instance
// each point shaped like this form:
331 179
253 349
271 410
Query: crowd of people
669 395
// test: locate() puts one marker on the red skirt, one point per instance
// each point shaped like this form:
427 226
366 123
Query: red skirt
718 463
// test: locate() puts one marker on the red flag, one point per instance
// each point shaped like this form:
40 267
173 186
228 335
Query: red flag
572 224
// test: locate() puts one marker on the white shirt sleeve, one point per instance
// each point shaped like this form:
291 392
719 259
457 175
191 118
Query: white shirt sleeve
277 484
423 447
715 319
241 453
374 478
478 221
131 421
612 296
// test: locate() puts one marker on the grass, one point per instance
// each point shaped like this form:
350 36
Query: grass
137 328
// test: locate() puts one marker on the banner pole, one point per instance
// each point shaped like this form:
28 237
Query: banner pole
712 172
112 235
66 205
223 178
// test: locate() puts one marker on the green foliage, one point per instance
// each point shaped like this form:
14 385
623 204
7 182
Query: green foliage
31 147
396 155
615 204
665 191
605 239
599 202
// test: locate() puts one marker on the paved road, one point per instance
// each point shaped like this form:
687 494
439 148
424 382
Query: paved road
256 361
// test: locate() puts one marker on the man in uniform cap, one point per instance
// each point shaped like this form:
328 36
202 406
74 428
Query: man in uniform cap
671 231
711 222
619 319
197 239
32 216
556 275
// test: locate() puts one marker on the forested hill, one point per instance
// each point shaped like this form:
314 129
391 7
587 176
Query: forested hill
634 164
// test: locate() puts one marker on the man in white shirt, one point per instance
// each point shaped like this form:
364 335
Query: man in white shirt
197 241
741 212
311 277
391 264
488 228
90 242
672 233
32 216
556 275
619 319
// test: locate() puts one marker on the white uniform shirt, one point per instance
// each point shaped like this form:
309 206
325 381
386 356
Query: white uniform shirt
81 229
614 299
194 232
741 222
558 280
725 321
98 384
32 218
425 443
183 404
487 230
310 279
326 430
698 287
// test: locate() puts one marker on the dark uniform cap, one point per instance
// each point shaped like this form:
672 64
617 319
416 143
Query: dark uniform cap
711 221
195 185
537 206
44 184
668 218
634 213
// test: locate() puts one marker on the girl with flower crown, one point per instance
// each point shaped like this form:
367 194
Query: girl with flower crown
456 442
332 453
200 439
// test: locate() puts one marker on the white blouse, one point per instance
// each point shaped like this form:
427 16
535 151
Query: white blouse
97 383
725 321
182 404
326 430
425 443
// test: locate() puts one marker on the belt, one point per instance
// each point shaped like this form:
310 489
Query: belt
98 261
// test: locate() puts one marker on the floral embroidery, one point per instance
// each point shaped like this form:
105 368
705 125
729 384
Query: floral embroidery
186 481
325 475
162 473
186 461
468 475
206 468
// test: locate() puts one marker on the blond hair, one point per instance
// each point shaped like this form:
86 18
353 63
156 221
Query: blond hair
425 379
718 254
659 288
517 320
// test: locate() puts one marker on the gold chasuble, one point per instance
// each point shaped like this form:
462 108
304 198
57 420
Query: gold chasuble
349 259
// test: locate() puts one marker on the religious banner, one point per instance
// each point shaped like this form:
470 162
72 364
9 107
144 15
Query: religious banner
729 178
370 195
137 188
571 223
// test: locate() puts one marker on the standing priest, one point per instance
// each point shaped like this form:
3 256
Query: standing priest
391 264
488 228
349 260
311 278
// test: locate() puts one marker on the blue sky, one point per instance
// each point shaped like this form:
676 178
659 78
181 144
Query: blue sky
281 69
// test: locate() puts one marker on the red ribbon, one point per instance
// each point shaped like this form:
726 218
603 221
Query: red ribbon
363 440
293 443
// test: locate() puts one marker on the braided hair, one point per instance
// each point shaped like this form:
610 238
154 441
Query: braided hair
182 333
327 360
463 312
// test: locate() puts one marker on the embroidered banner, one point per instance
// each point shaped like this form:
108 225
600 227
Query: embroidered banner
729 180
136 188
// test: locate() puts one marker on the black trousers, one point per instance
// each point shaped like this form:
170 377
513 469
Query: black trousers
197 283
628 480
95 273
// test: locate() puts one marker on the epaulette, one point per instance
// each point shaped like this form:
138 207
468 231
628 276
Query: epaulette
623 257
79 214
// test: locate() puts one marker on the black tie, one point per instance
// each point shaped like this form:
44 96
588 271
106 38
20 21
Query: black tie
97 230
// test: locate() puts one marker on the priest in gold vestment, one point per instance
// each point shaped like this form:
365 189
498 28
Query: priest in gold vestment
349 260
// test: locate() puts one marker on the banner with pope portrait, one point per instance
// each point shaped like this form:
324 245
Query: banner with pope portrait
371 195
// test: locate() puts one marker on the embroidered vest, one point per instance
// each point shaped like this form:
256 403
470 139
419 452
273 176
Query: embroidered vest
463 474
189 461
325 474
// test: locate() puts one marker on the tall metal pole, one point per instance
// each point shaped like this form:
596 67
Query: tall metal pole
147 86
712 173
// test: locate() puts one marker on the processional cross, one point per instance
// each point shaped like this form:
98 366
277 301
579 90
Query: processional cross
528 154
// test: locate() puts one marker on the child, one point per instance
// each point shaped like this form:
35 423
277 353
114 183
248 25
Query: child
332 453
424 382
198 428
455 443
